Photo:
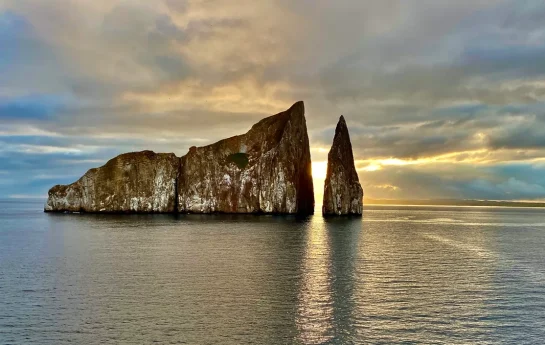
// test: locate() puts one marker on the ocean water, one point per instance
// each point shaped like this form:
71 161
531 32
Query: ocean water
399 275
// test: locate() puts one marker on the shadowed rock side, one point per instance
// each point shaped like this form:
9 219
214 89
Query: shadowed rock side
266 170
136 182
343 194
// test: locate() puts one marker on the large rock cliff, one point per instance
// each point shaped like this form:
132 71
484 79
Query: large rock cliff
137 182
343 194
266 170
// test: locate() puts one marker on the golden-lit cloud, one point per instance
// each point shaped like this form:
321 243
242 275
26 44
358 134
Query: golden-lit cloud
371 167
437 106
241 96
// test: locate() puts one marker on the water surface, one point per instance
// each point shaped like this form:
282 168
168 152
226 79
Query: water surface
400 275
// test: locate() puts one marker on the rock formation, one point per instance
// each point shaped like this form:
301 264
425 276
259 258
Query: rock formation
137 182
266 170
343 194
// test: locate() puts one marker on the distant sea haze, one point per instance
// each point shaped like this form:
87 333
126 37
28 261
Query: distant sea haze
453 202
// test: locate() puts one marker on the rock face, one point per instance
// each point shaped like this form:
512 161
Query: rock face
137 182
266 170
343 194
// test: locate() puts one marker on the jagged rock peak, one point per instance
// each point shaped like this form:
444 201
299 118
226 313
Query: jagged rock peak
343 194
266 170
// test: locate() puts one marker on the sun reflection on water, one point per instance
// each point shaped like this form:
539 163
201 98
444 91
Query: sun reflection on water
315 307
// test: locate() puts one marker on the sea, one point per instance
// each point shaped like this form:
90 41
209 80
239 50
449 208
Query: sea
397 275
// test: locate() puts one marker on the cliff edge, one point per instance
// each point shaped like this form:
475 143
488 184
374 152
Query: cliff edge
266 170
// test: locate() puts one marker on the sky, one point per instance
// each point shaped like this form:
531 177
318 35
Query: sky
443 99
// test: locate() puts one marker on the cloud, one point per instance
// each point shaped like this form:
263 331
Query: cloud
32 108
451 87
501 181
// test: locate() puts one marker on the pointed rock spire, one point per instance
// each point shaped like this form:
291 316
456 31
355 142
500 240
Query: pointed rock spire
343 194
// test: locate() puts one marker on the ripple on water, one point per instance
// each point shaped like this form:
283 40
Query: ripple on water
397 276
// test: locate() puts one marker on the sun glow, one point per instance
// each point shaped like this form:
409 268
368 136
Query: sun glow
319 170
372 167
